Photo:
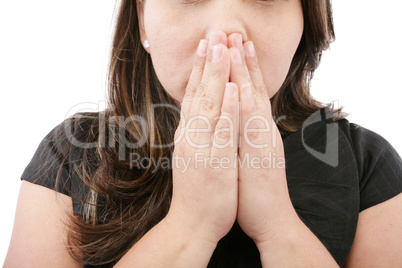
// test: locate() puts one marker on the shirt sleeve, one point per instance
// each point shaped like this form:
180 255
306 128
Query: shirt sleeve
48 166
379 167
59 156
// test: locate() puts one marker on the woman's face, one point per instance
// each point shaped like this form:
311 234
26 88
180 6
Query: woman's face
175 27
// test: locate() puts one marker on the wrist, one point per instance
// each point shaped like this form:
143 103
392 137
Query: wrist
285 234
283 245
190 236
294 246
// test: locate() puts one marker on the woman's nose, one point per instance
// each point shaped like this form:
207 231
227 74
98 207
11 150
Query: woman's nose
225 18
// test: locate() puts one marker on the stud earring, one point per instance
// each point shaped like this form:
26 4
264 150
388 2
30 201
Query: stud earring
146 44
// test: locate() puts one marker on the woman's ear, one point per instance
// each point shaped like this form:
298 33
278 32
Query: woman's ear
140 14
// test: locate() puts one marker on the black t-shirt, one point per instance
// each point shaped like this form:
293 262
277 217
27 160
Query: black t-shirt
334 171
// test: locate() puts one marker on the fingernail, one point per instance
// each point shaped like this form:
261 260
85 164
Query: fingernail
217 54
214 39
229 90
239 41
247 90
202 48
250 51
236 55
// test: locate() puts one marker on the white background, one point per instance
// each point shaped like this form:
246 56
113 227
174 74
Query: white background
54 55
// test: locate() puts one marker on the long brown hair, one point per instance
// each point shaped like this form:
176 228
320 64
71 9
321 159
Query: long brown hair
124 201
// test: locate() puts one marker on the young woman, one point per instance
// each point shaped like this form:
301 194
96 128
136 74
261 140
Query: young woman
212 152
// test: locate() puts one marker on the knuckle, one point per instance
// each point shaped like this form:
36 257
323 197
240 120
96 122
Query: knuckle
208 104
254 124
192 138
214 73
265 98
253 137
202 89
224 128
223 133
265 101
191 87
254 67
254 130
262 90
187 99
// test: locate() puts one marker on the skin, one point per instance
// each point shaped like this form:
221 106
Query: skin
173 30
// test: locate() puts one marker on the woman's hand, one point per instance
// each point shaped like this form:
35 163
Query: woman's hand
205 175
264 207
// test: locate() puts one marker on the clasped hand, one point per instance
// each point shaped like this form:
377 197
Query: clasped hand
235 156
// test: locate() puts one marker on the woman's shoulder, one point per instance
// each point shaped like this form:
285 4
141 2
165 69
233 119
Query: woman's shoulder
337 143
367 144
61 153
363 140
69 139
78 131
379 165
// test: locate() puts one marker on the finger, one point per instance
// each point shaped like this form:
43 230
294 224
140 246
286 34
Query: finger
207 101
238 69
195 77
244 66
235 40
255 112
254 70
225 142
214 72
254 125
